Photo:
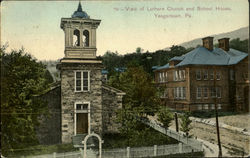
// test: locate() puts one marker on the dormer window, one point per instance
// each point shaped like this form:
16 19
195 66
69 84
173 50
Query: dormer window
82 81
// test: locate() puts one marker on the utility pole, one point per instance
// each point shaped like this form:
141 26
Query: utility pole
176 122
216 114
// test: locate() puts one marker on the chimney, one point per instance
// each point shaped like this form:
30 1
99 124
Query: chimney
224 43
208 43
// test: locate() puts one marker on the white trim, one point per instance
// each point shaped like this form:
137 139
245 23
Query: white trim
85 144
88 80
82 111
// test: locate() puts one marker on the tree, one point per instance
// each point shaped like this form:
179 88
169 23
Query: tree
165 116
22 77
141 93
111 61
141 99
241 45
139 50
185 123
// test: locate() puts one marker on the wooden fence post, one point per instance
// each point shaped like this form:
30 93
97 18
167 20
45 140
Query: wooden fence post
54 155
180 147
155 150
81 152
128 152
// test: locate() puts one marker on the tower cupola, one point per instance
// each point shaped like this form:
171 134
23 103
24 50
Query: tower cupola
80 35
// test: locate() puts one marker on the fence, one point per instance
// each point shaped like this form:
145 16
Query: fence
136 152
76 154
173 134
152 151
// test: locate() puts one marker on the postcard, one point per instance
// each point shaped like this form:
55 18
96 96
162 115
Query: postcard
111 78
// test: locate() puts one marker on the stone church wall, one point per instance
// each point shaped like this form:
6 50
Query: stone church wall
49 130
112 102
69 97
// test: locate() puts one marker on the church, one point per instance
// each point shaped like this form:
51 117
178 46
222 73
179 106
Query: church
80 103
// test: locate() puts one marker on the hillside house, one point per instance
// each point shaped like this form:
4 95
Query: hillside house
205 76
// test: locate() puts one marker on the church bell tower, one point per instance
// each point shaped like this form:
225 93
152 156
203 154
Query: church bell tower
80 35
81 84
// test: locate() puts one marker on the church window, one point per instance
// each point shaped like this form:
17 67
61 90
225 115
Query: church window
78 81
82 80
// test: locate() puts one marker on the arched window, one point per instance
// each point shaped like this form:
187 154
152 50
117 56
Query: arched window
85 38
76 38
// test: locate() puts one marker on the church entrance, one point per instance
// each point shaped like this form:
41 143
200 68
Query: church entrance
82 116
81 123
246 99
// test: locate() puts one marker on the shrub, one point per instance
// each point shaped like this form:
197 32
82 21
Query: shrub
165 116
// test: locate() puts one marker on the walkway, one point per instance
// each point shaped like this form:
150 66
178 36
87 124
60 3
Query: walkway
152 122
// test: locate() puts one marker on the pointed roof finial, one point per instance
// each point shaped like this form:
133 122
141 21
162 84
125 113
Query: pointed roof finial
79 9
79 13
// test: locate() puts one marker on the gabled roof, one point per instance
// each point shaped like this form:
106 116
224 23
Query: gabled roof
202 56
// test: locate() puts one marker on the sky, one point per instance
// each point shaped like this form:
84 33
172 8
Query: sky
125 25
